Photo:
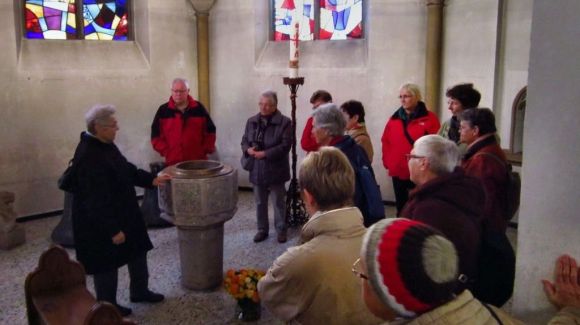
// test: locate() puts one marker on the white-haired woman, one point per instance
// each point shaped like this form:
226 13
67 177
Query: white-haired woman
109 230
409 122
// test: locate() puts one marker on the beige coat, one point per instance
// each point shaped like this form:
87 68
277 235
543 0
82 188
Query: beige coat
362 138
312 283
464 309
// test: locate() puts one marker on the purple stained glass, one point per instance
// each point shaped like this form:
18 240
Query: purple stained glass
50 19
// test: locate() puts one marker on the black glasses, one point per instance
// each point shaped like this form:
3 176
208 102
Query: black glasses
411 156
355 270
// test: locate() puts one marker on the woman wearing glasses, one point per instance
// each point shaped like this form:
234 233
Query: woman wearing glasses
410 121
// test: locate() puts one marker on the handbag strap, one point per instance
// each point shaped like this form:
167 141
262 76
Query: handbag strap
493 314
407 135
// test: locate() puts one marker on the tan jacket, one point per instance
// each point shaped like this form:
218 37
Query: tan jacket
464 309
566 316
362 138
312 283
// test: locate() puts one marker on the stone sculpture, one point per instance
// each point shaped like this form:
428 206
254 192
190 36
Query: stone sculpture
11 233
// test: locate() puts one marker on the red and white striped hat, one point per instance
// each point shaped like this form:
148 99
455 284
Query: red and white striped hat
411 267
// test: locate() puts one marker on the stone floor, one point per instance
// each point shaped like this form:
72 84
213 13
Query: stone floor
181 306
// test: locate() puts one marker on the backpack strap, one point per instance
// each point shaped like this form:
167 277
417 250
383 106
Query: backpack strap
493 314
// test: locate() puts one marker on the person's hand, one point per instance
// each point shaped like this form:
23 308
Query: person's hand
119 238
161 178
251 151
259 154
565 291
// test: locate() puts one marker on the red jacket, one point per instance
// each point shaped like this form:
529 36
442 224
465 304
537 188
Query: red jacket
183 136
308 142
478 163
395 143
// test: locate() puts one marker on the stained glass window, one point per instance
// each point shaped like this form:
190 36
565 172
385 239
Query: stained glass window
321 19
58 19
50 19
340 19
105 20
286 12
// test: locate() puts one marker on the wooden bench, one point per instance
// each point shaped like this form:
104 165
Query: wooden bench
56 293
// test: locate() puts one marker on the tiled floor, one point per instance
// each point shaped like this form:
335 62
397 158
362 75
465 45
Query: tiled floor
181 306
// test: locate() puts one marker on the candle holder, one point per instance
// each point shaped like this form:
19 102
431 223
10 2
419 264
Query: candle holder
295 211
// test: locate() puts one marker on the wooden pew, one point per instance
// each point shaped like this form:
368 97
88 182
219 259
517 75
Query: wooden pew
56 293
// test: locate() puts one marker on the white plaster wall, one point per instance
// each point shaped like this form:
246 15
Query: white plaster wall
470 45
548 224
244 63
487 43
47 86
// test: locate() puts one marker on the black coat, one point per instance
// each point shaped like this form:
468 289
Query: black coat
275 167
104 204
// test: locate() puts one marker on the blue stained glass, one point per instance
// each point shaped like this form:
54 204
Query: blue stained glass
93 10
70 30
88 2
89 29
63 21
307 10
42 23
35 2
34 35
340 19
111 6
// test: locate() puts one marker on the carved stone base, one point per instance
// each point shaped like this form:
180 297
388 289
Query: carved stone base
15 237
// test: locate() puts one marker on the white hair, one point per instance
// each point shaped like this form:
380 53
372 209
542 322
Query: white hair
329 117
413 89
272 96
442 154
98 114
180 80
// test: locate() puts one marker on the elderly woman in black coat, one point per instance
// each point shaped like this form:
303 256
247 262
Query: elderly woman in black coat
108 227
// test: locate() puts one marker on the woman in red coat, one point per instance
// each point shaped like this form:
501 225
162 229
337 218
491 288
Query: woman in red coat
486 161
410 122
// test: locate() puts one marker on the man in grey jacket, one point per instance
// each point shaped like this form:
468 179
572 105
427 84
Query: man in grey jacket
267 141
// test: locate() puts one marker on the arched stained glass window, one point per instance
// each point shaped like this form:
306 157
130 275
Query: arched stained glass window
319 19
58 19
50 19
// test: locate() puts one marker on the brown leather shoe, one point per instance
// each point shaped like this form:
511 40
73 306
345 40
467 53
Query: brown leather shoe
260 236
282 238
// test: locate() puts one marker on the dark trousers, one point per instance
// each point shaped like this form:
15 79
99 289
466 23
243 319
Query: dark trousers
106 283
402 188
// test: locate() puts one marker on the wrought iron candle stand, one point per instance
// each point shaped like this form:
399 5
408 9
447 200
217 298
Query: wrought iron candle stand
295 211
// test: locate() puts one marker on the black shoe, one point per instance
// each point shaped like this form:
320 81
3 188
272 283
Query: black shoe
260 236
282 238
123 310
149 296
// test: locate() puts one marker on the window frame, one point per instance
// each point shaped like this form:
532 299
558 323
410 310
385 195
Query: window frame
79 20
316 31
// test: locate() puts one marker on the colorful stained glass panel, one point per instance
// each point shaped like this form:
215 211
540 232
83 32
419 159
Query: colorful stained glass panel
286 11
105 20
340 19
50 19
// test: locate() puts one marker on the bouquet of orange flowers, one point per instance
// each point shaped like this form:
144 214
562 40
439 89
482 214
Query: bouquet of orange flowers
242 284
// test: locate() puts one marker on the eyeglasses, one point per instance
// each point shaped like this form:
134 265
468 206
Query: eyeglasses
405 96
355 270
410 156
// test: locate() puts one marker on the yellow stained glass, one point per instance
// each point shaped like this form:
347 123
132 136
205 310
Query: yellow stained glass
71 20
37 10
115 22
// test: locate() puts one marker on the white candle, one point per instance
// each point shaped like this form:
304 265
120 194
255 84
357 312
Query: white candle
294 50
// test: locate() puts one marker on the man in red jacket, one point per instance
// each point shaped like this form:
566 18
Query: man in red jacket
182 129
308 142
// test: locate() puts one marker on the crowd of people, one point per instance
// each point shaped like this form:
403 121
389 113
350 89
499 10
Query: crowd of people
421 267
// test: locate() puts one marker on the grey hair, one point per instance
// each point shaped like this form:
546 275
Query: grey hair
329 117
442 154
98 114
182 80
271 95
413 89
